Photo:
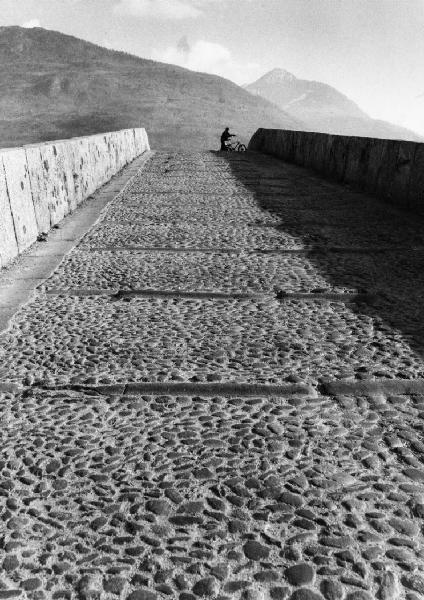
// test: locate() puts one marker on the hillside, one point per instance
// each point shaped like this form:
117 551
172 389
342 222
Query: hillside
57 86
322 107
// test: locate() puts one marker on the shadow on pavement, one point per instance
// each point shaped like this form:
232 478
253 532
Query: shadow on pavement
357 242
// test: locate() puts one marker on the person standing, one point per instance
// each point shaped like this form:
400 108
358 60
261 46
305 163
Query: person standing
226 135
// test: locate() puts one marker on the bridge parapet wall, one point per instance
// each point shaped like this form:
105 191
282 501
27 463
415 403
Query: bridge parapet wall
390 169
40 184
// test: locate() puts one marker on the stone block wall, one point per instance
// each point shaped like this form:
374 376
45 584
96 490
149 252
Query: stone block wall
42 183
390 169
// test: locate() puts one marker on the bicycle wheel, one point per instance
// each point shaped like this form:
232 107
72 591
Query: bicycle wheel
241 148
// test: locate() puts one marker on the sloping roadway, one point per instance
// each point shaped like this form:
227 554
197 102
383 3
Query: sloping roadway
218 394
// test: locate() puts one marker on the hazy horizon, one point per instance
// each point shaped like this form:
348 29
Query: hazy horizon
370 51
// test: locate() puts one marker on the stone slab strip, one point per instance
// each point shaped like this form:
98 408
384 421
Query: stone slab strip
205 390
217 389
40 184
326 297
122 294
366 387
199 389
117 389
393 170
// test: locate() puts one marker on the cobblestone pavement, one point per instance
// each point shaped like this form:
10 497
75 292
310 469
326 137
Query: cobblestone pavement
219 394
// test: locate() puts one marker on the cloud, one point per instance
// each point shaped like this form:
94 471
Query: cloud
208 57
158 9
166 9
31 24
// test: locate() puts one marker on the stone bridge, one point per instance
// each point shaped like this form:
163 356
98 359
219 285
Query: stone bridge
212 387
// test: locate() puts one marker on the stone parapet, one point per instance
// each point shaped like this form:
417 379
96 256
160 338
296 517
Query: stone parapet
390 169
42 183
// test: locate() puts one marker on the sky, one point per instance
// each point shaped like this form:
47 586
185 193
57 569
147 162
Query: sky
371 50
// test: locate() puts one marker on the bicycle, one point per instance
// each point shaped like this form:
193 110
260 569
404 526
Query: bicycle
236 146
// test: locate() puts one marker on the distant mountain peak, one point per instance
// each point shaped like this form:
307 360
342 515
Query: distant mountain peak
322 107
279 75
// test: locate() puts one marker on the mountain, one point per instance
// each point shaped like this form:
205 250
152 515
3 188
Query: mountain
322 107
57 86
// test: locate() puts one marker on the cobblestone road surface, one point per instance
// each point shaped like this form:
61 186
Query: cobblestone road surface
219 394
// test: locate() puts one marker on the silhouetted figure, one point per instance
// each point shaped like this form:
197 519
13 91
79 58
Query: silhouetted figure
226 135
